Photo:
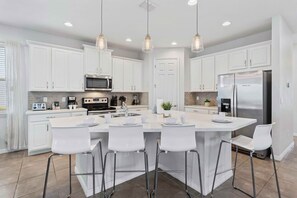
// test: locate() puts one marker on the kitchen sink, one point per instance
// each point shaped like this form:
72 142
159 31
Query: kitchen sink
118 115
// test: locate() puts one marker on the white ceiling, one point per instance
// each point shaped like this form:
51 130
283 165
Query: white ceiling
172 20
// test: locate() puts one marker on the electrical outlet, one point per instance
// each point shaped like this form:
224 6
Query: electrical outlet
63 99
197 98
44 99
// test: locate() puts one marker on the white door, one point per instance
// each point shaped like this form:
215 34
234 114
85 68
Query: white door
221 66
105 63
39 135
59 70
40 68
260 56
166 80
196 80
128 75
91 60
238 60
75 72
208 74
118 74
137 76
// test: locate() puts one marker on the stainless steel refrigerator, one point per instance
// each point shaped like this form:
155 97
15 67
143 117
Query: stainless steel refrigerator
246 95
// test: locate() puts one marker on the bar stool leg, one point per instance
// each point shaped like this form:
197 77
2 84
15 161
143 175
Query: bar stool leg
253 175
216 170
114 171
276 178
94 186
70 172
186 172
46 175
103 173
102 167
234 170
156 172
199 170
146 174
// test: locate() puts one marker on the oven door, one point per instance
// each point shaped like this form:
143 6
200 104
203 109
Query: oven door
98 83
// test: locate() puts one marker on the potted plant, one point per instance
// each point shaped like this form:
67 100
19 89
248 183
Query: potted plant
166 107
207 102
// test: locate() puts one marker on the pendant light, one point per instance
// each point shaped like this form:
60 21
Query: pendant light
147 43
197 43
101 42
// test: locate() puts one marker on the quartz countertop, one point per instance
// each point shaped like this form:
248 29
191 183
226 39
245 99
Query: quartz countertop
30 112
132 106
153 123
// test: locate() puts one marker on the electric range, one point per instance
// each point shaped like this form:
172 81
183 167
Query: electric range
97 106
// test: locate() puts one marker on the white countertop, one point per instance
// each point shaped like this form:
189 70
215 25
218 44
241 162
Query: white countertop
154 122
30 112
202 107
132 106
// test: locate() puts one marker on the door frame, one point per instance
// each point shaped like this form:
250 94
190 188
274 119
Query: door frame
178 80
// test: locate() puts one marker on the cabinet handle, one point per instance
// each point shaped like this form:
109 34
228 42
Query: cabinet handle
47 85
53 85
250 62
203 86
245 62
47 127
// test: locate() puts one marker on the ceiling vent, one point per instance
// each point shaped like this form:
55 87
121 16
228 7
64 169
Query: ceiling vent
152 5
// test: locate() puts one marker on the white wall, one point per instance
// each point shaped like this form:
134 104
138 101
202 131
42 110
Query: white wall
282 94
2 132
295 86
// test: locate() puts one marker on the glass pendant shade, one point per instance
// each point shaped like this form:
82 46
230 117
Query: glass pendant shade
101 42
197 44
147 44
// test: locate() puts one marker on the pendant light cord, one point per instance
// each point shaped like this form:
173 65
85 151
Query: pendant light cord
147 16
197 17
101 16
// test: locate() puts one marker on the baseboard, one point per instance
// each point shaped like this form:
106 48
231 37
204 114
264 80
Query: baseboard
2 151
284 153
295 134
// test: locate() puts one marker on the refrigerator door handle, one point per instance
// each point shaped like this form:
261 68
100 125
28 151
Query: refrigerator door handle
235 101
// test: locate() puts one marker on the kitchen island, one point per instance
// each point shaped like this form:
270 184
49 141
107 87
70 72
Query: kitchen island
208 137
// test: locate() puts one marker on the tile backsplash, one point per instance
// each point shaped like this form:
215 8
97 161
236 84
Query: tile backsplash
191 98
57 96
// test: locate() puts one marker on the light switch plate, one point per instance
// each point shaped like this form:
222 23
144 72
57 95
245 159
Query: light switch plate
63 99
197 98
44 99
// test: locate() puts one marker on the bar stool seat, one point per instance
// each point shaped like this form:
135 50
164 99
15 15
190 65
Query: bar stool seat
74 140
243 142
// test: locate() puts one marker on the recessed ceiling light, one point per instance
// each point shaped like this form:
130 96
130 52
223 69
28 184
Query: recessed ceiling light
226 23
192 2
128 40
68 24
174 43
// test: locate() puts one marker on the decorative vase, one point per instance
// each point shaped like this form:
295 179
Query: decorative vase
207 104
166 113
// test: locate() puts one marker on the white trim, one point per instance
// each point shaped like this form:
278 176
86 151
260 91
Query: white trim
125 58
2 151
285 152
29 42
94 47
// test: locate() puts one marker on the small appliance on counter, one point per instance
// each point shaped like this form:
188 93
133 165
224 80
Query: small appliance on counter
114 101
38 106
97 106
56 105
122 99
71 102
136 100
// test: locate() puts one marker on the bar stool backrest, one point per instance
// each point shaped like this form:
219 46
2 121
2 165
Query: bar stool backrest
178 138
126 138
71 140
262 137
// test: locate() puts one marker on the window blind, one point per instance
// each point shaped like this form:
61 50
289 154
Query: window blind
3 97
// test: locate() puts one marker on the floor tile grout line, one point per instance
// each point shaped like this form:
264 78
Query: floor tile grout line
19 176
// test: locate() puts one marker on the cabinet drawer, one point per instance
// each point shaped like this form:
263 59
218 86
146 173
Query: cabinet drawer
46 117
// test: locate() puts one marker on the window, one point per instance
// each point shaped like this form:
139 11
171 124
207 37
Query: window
3 97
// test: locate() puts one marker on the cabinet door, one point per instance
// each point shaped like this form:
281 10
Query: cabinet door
128 75
40 68
137 76
208 74
39 136
75 72
105 63
59 70
91 60
118 74
196 81
260 56
221 66
238 60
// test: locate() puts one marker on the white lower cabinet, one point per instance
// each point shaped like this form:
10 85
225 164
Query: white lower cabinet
39 130
201 110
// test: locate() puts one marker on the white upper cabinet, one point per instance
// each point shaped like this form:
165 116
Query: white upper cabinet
260 56
117 74
127 75
221 66
40 68
208 74
76 72
59 70
238 60
196 80
97 62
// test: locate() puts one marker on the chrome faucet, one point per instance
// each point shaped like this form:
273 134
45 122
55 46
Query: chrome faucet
124 108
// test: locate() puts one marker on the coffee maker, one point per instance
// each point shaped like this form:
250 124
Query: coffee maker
136 100
71 100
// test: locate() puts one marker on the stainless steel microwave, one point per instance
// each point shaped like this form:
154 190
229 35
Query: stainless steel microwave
98 83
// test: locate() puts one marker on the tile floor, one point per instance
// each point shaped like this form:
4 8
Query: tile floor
23 176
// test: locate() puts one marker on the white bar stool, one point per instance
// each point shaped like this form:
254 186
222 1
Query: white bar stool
74 140
261 141
177 139
123 139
